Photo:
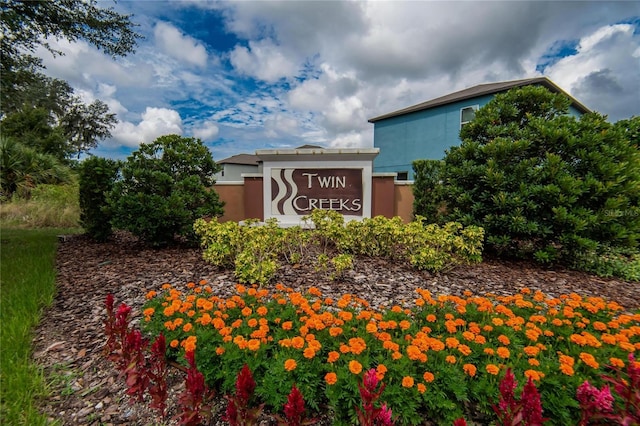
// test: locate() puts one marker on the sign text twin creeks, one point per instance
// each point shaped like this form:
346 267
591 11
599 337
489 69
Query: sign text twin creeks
299 191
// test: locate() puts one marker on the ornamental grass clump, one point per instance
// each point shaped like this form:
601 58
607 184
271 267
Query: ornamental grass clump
440 357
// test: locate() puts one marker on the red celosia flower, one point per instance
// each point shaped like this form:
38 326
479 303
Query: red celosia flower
245 385
294 407
531 405
460 422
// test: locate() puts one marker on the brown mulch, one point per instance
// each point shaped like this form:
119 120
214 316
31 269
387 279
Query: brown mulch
85 386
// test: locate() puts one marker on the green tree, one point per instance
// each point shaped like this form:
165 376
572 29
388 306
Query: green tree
29 24
543 183
165 186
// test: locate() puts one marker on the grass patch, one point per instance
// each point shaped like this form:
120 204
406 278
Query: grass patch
27 285
49 206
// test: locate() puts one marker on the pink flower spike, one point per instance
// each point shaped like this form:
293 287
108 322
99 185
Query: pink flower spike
604 400
385 415
371 380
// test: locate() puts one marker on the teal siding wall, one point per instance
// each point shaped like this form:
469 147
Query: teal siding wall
421 135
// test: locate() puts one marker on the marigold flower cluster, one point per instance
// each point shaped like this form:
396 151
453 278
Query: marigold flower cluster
416 348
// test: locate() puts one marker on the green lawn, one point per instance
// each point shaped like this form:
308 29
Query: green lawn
27 285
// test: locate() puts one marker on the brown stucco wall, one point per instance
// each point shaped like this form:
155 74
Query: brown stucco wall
253 202
404 201
382 196
233 197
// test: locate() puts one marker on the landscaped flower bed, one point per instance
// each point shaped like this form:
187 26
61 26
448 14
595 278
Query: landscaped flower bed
440 357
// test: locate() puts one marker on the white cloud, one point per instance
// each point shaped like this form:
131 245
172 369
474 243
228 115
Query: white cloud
263 60
180 46
155 122
599 74
207 131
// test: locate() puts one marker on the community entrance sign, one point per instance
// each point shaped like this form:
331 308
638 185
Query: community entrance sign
297 181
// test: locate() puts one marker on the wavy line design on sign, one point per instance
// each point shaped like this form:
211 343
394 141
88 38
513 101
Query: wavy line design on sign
283 201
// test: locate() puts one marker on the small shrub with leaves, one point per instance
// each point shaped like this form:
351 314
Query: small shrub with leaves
165 187
97 177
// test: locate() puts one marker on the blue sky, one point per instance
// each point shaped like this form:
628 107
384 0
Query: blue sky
250 75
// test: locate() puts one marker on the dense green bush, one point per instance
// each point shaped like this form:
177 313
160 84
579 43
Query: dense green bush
165 187
542 183
427 189
97 177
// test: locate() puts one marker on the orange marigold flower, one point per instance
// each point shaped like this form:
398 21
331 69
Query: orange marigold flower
470 369
467 335
504 340
589 360
489 351
480 340
355 367
220 350
174 343
431 318
497 322
335 331
168 311
492 369
371 327
253 344
309 353
534 362
535 375
290 364
151 294
187 327
464 350
297 342
287 325
616 362
396 356
407 382
452 342
404 325
450 359
428 377
531 350
421 388
331 378
503 352
566 369
600 326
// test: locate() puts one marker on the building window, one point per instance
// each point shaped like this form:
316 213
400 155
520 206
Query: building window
467 114
402 176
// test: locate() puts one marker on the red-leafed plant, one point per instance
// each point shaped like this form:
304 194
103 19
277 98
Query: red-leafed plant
157 373
294 410
524 412
599 405
126 348
369 414
239 411
195 400
133 350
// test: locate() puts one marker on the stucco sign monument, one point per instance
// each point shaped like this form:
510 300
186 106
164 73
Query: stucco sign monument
297 181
